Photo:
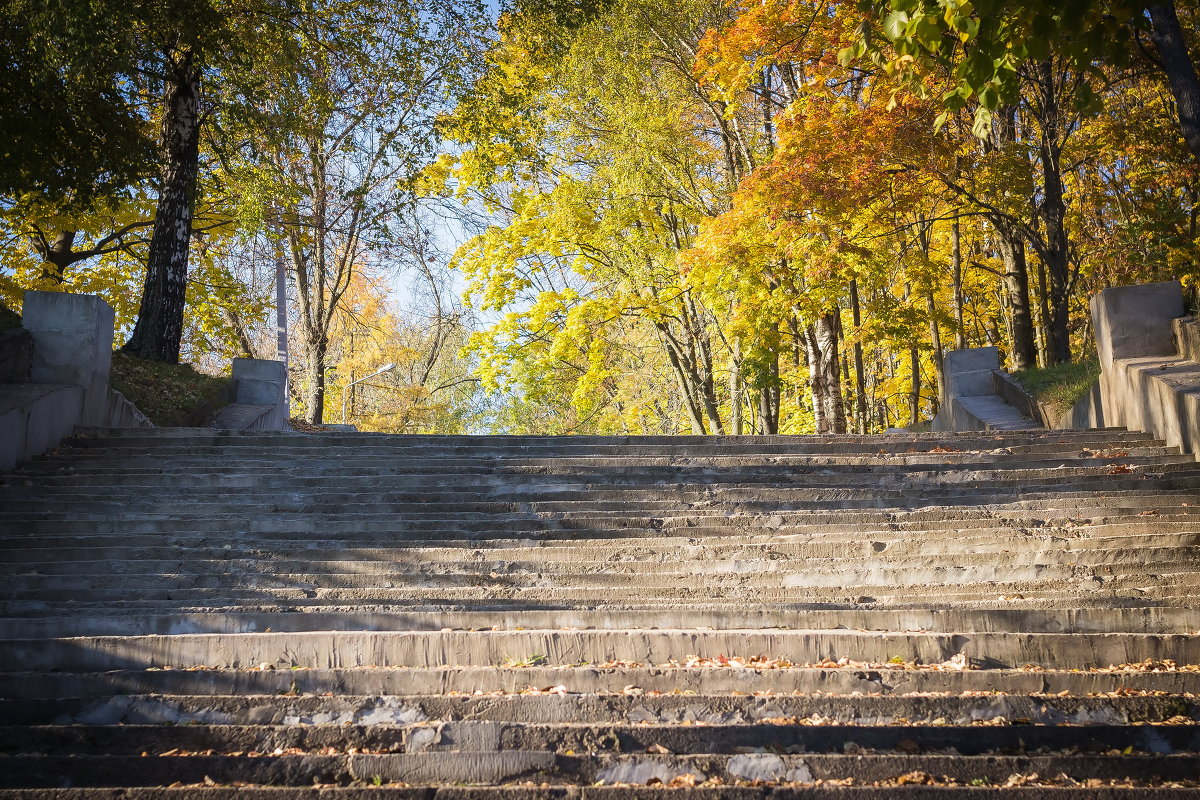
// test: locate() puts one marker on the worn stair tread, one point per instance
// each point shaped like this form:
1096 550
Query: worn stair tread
520 611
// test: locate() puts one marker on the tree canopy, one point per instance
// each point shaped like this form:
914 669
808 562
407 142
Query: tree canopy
710 216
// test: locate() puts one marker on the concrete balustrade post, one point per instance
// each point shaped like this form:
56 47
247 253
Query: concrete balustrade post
72 344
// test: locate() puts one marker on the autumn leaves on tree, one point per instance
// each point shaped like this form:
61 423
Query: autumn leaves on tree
708 216
776 215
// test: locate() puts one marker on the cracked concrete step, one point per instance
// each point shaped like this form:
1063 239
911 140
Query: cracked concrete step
756 470
631 706
691 558
924 537
887 679
651 579
1171 507
967 740
1108 620
1138 589
824 544
128 561
212 477
183 437
1172 492
743 791
501 767
628 479
718 577
490 648
133 739
327 573
411 527
628 476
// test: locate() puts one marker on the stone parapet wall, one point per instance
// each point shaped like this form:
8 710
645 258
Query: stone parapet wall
972 401
261 400
54 375
16 355
1149 373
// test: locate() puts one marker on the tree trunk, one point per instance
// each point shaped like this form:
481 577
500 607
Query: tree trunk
735 388
914 400
695 415
314 404
159 327
1042 323
1016 286
58 256
860 376
935 336
1173 56
824 374
960 333
1055 254
768 398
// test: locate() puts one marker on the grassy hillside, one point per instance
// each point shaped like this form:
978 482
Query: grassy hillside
1060 386
171 395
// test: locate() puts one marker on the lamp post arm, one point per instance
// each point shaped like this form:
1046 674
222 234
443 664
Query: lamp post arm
346 388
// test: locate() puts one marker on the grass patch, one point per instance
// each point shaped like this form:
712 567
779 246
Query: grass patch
1060 386
171 395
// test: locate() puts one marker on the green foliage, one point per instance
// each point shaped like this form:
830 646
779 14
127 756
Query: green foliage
170 395
976 49
1061 385
69 115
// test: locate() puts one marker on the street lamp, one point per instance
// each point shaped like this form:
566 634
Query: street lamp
348 386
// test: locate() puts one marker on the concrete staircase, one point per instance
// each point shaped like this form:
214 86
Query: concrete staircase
211 614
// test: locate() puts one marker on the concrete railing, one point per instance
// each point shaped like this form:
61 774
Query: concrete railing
1149 375
972 402
261 401
55 375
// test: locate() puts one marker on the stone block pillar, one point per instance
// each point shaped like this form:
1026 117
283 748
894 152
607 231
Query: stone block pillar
1136 321
263 383
72 344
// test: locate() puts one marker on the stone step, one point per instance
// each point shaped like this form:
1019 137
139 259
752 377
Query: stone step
974 535
765 559
212 476
852 679
655 581
335 557
655 467
133 739
490 648
630 706
869 495
698 616
472 474
279 441
485 525
1021 789
716 575
512 767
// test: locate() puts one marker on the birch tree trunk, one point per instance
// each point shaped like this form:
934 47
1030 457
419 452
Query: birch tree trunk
159 329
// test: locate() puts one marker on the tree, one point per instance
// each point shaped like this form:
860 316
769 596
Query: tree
349 124
598 150
202 59
71 121
986 44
